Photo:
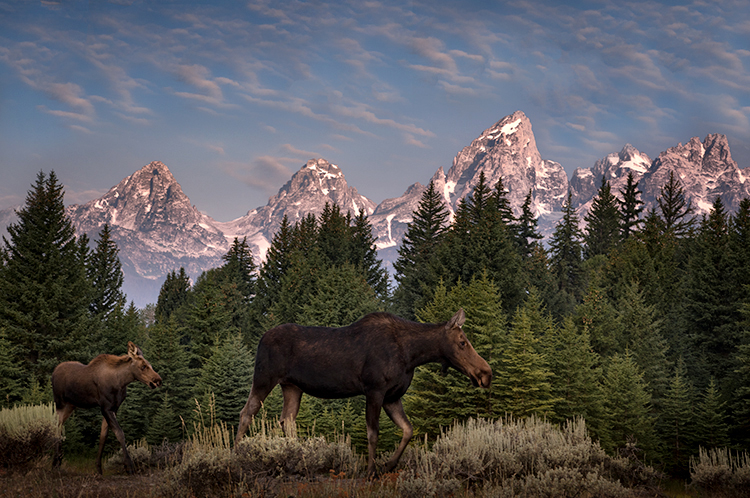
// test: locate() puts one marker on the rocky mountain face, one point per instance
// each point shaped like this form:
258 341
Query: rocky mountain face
508 150
158 230
155 227
705 169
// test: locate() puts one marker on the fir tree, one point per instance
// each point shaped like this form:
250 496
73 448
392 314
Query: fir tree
676 211
11 374
577 373
227 375
631 207
341 297
274 268
239 268
105 272
602 222
364 255
676 424
566 253
711 310
627 407
528 229
44 291
711 429
524 375
423 235
165 425
172 295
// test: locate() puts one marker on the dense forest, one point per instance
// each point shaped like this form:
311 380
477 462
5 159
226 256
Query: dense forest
639 323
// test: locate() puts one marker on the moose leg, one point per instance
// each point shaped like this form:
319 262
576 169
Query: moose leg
111 419
62 415
251 408
292 398
372 418
396 413
102 441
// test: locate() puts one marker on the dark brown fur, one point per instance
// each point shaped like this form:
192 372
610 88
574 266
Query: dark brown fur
375 356
103 383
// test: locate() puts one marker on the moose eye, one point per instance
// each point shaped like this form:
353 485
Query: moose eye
462 344
143 367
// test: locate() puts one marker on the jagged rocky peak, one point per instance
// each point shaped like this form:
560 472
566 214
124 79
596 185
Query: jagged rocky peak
705 169
318 182
615 167
508 150
146 199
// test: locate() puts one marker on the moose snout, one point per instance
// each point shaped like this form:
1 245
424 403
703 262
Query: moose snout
155 383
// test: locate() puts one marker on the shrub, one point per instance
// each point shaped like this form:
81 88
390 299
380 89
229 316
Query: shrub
145 456
720 472
27 433
508 457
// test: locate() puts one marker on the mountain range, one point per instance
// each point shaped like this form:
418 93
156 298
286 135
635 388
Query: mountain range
158 230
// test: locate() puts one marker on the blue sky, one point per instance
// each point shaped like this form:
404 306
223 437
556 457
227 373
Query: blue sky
235 97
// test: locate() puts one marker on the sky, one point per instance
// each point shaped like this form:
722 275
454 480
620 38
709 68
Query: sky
234 97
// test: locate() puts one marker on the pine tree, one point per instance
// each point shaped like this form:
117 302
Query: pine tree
602 223
600 317
711 311
275 266
172 295
577 373
334 236
423 235
341 297
528 229
676 211
627 407
676 424
364 255
165 425
239 268
105 271
11 374
566 255
711 429
524 375
44 291
227 375
630 207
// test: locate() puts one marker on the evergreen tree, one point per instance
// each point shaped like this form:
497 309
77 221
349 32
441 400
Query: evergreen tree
566 257
577 373
676 424
528 229
341 297
602 222
423 235
479 240
165 425
274 268
239 268
364 254
105 272
676 210
334 236
631 207
44 291
524 375
600 317
172 295
711 429
642 336
711 311
11 374
227 375
627 407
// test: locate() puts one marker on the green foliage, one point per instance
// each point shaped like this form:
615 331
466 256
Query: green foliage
602 222
44 291
105 272
173 293
630 207
626 406
566 253
721 472
11 373
412 268
676 424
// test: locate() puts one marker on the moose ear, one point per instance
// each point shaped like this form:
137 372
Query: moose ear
458 319
132 350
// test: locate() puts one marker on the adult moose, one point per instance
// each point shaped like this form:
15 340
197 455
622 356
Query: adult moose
103 383
375 356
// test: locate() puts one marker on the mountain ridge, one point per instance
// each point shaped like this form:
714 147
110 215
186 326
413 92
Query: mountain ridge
158 230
